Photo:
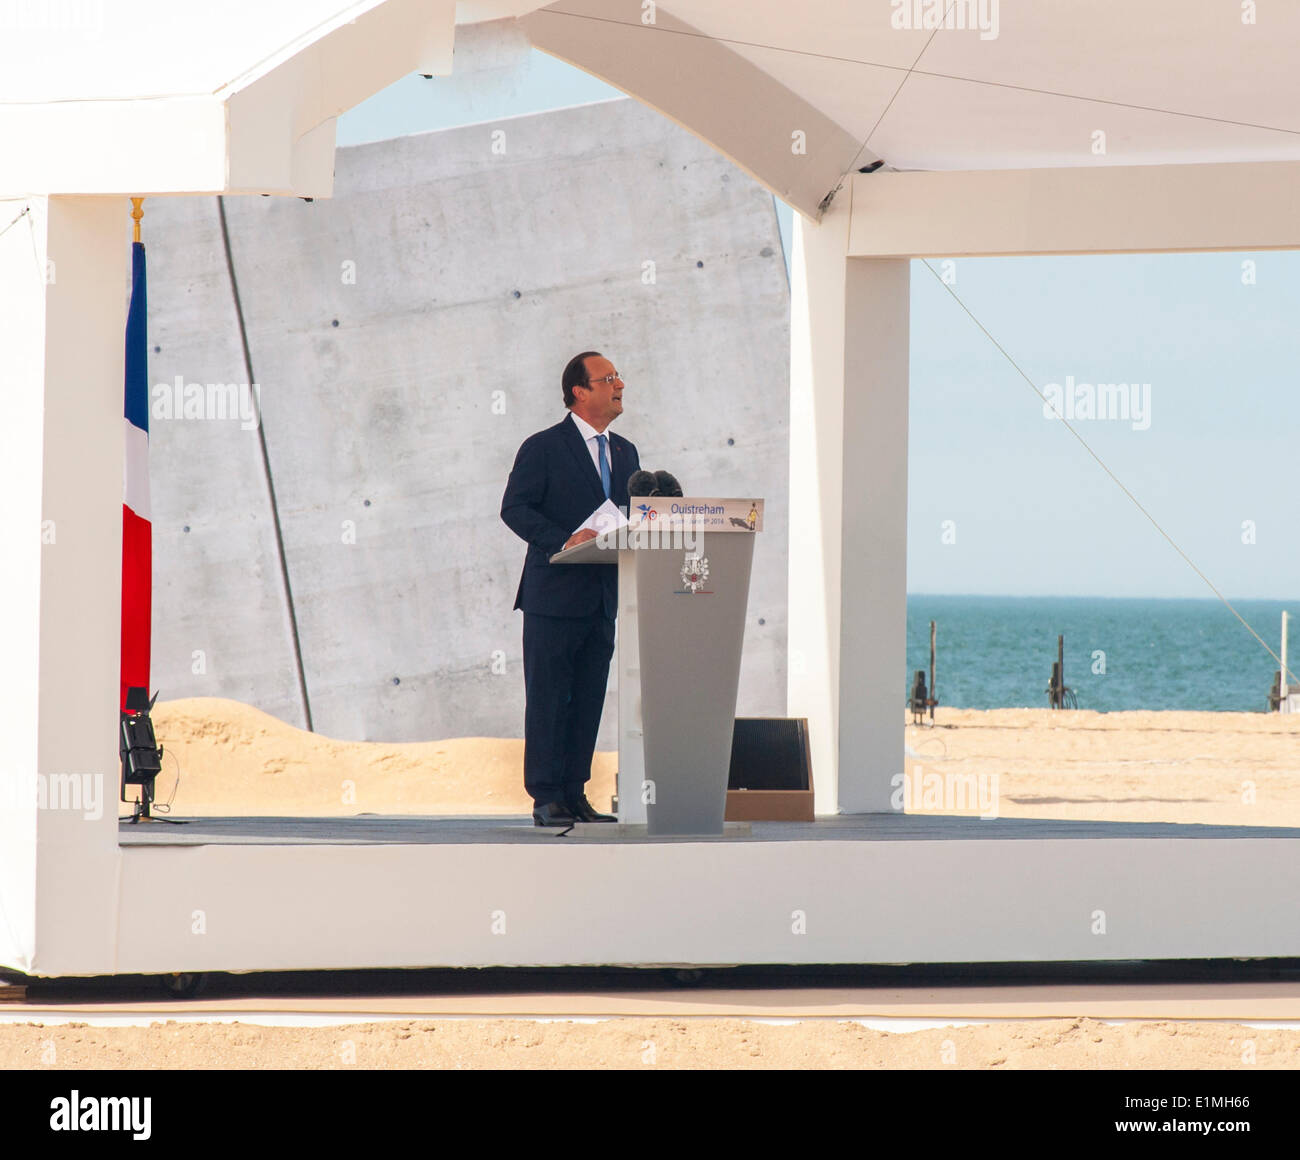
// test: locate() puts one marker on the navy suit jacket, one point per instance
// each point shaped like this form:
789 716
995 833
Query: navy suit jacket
553 487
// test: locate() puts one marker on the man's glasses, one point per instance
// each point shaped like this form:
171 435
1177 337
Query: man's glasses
609 380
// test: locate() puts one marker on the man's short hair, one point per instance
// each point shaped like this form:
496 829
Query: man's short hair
575 374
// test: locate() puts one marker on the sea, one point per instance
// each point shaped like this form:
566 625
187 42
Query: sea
996 652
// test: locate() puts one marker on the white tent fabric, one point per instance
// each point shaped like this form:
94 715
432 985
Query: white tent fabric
1011 84
144 97
78 50
1168 81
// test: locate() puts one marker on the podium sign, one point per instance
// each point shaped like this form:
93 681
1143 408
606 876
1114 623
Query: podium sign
684 567
700 515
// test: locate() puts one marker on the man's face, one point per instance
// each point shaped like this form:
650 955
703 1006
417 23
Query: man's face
602 402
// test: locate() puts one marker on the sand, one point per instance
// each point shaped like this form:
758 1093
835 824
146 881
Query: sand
234 760
461 1023
1217 768
646 1044
1222 768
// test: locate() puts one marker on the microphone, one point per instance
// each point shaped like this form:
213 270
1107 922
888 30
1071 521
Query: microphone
642 483
668 485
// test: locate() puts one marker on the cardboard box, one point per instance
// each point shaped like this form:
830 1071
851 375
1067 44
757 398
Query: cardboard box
769 805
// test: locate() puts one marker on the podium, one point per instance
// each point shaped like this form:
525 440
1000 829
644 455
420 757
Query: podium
683 590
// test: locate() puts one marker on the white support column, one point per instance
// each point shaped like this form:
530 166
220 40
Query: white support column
873 551
22 294
817 269
63 288
848 512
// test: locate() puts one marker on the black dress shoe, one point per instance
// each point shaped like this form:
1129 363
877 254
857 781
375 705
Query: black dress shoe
582 809
554 814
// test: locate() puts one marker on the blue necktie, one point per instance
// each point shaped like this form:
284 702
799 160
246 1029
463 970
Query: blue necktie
604 465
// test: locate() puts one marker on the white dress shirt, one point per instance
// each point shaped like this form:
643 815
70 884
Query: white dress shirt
589 433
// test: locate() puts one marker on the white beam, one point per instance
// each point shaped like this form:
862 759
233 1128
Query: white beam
281 115
124 147
1110 209
268 130
786 144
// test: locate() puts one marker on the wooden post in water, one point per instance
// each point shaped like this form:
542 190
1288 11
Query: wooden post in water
934 697
1282 690
1060 665
1059 694
1277 695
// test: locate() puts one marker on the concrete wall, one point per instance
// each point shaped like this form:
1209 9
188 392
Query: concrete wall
220 619
406 335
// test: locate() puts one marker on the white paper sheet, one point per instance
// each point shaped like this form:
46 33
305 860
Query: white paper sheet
608 517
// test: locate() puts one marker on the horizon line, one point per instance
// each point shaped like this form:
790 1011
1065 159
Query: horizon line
1097 596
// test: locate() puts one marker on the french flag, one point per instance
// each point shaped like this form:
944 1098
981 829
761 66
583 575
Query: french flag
137 530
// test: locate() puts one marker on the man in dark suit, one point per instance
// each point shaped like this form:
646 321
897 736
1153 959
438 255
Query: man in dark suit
560 477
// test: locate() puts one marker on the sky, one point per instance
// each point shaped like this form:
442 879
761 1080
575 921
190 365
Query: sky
1002 499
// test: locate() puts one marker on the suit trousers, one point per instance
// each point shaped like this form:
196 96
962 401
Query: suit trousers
566 669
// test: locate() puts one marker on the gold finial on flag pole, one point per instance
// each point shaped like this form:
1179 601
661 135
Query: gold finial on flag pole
137 212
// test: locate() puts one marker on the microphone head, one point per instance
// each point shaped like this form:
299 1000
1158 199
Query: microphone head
642 483
668 484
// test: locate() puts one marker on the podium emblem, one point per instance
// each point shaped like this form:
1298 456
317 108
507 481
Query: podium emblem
695 574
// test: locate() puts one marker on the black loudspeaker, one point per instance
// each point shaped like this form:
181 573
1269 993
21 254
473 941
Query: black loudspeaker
140 753
771 770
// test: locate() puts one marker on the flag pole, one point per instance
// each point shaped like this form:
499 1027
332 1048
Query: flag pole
138 748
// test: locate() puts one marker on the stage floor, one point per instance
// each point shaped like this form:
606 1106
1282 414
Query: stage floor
373 829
